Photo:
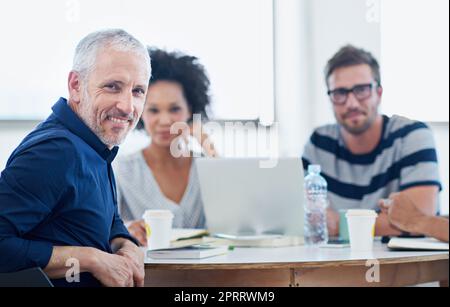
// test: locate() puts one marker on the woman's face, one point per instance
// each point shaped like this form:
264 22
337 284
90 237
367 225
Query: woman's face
165 105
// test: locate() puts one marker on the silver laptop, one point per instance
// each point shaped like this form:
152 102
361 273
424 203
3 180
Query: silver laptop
242 199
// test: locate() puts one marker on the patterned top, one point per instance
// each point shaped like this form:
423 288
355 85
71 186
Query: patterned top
138 191
404 158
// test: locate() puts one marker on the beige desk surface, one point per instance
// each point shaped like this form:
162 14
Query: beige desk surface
300 266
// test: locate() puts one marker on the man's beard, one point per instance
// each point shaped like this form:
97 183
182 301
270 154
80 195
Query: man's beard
362 128
88 116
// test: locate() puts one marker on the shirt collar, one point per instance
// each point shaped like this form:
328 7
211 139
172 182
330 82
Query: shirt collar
71 121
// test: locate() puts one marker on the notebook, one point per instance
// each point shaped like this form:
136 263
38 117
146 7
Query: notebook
427 244
259 241
199 251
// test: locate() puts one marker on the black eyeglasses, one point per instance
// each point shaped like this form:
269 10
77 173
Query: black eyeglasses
339 96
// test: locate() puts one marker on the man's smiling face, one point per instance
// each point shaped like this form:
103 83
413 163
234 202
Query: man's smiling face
113 96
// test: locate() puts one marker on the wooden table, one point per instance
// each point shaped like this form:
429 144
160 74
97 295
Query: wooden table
301 266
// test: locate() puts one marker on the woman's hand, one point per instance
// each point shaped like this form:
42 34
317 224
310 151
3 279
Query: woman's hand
138 231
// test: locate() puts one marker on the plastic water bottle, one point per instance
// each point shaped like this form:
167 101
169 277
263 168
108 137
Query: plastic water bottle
316 231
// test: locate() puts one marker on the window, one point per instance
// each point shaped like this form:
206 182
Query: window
415 58
232 38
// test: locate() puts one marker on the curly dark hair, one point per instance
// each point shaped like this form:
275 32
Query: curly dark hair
186 71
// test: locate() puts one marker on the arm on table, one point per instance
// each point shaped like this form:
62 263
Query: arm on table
126 246
425 200
124 268
382 227
134 256
405 213
433 226
110 270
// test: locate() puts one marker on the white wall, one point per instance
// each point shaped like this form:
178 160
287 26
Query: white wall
333 25
11 133
418 42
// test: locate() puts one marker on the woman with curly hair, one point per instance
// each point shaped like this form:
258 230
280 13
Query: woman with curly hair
156 178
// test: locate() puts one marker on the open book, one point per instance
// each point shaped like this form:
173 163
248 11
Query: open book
179 234
427 244
186 237
259 241
198 251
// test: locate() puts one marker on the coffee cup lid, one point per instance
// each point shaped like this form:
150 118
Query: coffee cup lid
361 213
162 214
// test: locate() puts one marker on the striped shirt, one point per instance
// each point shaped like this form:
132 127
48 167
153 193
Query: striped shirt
138 191
404 158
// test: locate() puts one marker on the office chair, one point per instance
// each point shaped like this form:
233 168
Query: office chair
34 277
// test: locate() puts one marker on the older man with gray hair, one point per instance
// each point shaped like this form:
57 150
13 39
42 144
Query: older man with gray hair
58 207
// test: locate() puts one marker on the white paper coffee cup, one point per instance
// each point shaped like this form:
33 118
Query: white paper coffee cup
361 227
158 224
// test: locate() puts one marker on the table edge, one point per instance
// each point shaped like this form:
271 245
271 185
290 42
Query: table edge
292 265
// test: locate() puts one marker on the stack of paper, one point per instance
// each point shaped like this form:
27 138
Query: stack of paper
417 244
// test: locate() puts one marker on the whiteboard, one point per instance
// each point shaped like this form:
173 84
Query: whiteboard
232 38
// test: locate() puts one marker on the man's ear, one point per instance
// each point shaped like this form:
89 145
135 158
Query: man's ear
379 93
74 84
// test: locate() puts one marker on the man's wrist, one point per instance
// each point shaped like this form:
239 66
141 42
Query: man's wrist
121 242
91 259
420 224
128 244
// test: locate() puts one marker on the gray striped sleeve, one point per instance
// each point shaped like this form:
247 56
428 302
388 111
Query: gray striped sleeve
419 148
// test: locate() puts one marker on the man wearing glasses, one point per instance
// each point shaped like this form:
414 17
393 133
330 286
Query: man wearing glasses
367 156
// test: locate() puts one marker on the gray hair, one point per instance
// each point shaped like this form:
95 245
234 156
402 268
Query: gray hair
88 48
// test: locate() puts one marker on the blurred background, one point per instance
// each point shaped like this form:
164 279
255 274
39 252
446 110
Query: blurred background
265 59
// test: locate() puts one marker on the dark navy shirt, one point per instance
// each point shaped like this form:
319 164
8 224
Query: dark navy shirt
58 189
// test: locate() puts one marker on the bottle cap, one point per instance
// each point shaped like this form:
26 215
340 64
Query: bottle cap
314 169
